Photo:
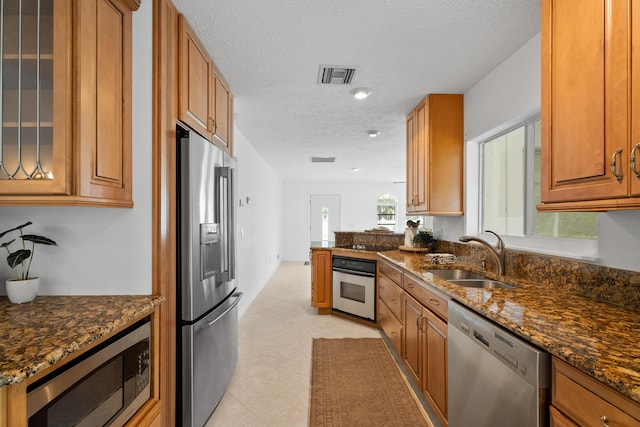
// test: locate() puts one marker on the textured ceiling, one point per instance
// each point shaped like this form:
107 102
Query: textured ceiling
270 51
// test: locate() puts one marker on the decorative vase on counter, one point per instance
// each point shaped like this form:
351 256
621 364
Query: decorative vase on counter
409 234
20 291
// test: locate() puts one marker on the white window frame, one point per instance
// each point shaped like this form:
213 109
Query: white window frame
388 222
572 248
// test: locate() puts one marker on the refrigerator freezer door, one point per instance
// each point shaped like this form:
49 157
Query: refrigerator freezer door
210 355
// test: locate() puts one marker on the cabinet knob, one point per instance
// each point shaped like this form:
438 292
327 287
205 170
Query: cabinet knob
434 301
633 160
212 125
614 168
605 421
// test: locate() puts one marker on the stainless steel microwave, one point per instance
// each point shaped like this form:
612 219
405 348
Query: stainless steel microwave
102 388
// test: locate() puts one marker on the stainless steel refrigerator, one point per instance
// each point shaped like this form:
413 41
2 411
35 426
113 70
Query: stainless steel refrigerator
207 347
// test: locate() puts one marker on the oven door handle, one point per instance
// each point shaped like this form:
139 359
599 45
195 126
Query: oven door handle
355 273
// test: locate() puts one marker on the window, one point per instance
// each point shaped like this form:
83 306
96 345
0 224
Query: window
387 206
510 187
325 223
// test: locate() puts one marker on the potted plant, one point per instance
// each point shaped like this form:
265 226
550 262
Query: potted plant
23 288
423 239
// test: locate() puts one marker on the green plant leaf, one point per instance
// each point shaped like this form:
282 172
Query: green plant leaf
20 227
6 244
38 239
18 257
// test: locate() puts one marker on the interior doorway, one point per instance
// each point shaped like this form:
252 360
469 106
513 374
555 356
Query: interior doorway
324 216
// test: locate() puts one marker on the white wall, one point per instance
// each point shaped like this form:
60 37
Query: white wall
507 95
358 202
259 220
101 251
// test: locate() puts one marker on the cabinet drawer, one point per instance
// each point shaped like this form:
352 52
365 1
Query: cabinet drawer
559 420
393 273
420 291
585 401
391 295
390 325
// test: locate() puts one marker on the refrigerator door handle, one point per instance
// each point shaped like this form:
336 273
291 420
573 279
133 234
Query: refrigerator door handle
225 214
237 296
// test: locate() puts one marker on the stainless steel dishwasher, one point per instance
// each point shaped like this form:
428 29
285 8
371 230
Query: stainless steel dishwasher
495 379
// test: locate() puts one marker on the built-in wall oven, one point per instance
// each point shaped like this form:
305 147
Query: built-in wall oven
104 387
354 286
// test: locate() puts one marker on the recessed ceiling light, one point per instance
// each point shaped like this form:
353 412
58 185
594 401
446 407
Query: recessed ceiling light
360 92
373 133
355 169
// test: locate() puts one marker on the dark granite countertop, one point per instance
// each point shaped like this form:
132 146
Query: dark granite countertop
38 334
355 248
598 338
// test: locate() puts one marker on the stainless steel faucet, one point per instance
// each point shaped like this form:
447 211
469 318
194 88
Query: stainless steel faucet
497 252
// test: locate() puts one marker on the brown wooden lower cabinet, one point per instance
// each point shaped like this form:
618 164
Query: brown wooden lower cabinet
559 420
321 280
578 399
434 360
425 353
391 326
412 338
390 303
408 306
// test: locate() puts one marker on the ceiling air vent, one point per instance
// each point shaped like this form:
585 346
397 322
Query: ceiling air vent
323 159
335 75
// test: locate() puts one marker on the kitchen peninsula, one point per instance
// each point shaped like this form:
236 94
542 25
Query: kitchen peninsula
353 244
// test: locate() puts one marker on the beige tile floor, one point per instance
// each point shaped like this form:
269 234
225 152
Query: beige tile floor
270 386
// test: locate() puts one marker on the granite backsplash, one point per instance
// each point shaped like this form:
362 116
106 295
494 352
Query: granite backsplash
371 238
610 285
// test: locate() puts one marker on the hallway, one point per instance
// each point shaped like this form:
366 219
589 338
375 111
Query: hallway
270 386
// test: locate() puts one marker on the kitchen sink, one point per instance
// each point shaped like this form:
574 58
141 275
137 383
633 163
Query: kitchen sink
481 283
454 274
468 279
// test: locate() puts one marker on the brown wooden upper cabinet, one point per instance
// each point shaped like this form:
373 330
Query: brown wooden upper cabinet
435 153
66 96
590 159
205 101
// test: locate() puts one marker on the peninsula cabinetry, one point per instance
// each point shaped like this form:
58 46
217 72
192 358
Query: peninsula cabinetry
435 153
205 101
578 399
321 280
590 97
66 96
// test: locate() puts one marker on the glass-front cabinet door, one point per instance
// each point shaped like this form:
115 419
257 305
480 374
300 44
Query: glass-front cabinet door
35 142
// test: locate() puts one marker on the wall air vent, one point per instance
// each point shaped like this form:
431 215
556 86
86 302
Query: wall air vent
323 159
335 75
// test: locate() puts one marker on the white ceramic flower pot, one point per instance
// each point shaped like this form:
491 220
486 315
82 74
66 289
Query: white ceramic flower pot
20 291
